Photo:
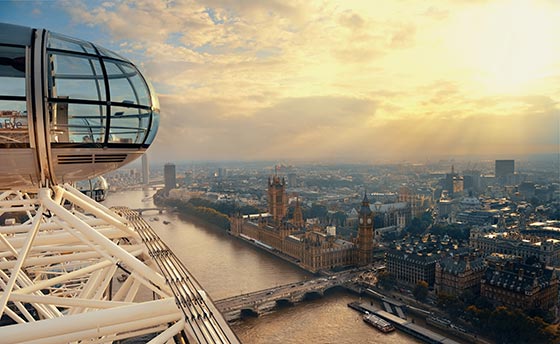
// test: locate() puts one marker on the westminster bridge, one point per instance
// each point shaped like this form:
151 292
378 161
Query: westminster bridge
263 301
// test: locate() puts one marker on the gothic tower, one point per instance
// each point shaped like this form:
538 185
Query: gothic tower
365 233
277 198
298 215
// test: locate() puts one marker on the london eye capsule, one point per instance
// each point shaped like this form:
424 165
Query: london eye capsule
69 109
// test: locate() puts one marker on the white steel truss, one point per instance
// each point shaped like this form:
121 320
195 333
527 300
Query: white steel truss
73 271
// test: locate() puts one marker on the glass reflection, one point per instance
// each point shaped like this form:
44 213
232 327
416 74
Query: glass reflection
12 71
76 77
57 41
77 123
128 125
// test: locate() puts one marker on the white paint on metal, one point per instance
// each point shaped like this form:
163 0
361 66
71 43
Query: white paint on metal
61 269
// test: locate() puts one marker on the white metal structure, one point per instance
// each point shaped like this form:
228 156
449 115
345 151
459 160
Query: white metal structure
71 270
75 271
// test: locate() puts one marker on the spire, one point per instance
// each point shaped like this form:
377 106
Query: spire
452 169
298 215
365 209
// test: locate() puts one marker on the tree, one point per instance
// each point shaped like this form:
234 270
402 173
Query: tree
339 218
316 210
421 291
386 280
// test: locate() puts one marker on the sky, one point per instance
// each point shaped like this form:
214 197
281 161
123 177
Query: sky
336 81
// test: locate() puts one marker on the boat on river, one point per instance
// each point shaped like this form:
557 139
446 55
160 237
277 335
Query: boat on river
380 324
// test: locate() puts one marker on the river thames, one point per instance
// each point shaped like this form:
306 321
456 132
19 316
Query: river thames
226 266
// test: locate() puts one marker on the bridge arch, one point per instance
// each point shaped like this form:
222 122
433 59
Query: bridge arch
312 295
282 303
332 288
249 313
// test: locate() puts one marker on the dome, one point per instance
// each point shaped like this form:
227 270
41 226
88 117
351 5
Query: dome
69 109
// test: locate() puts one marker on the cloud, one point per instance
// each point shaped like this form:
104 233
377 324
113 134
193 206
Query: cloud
317 80
291 127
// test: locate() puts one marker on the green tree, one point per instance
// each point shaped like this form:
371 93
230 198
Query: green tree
316 210
420 292
339 218
386 280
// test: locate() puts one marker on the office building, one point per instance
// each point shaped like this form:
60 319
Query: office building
292 180
169 176
459 273
145 170
411 267
513 284
545 249
504 168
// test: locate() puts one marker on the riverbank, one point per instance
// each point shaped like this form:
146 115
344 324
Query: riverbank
197 221
226 267
204 223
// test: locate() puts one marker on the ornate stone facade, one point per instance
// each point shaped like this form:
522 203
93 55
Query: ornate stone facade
365 233
411 267
458 274
525 246
518 285
312 248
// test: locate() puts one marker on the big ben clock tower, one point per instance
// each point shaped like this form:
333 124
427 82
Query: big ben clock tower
365 233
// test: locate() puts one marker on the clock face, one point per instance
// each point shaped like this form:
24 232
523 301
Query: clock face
361 220
369 221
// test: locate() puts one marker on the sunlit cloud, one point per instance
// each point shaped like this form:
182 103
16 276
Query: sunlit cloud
343 81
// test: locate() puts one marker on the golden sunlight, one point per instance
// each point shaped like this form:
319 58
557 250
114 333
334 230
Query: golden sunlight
508 46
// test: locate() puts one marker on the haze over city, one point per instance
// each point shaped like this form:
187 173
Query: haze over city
350 81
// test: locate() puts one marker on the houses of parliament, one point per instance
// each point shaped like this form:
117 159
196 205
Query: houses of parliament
312 247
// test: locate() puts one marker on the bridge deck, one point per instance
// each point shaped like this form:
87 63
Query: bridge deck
292 292
201 315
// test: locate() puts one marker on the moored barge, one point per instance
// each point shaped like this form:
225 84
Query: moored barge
378 323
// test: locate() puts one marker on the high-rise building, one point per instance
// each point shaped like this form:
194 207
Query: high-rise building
472 181
292 180
222 173
277 198
169 176
145 170
504 168
453 183
365 233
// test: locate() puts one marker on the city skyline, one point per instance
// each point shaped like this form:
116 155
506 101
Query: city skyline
336 82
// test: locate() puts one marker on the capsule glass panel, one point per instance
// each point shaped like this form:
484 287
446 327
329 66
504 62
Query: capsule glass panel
126 85
128 125
76 77
153 128
61 42
14 128
77 123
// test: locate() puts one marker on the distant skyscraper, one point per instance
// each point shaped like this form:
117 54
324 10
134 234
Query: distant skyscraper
292 180
145 170
169 176
472 180
504 168
453 183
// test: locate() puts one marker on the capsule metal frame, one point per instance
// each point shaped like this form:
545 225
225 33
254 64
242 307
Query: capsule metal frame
69 109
